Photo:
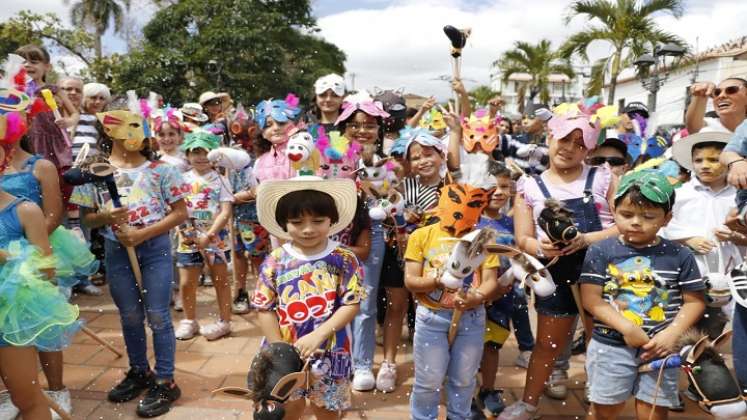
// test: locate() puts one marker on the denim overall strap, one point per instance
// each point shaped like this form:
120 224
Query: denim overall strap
542 186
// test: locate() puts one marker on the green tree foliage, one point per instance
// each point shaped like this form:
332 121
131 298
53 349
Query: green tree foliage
539 61
253 49
98 14
33 28
628 26
480 96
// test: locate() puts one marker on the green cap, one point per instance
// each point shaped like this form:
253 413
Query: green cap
653 185
200 140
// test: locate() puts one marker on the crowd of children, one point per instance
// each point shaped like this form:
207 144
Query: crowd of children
337 222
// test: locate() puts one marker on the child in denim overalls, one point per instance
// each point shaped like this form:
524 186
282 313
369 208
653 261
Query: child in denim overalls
588 192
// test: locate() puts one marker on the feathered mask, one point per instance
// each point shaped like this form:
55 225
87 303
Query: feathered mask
279 110
589 115
480 129
339 155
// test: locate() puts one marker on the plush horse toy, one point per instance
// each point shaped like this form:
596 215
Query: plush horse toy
229 158
526 269
379 180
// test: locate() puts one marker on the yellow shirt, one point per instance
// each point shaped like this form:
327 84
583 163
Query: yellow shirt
431 246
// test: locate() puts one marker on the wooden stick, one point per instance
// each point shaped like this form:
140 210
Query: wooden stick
56 408
135 265
101 341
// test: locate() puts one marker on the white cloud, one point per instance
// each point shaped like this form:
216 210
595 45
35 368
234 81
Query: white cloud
403 44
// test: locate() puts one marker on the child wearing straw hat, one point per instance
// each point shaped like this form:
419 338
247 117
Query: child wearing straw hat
309 289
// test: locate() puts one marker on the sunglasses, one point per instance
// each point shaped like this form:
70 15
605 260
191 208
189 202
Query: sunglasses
612 160
729 90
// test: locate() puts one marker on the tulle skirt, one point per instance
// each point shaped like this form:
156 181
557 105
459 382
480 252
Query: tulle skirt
33 311
74 260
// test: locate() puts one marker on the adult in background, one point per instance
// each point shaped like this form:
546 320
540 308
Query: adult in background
73 86
729 100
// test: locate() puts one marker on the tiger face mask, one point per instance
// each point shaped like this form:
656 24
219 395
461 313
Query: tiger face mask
460 207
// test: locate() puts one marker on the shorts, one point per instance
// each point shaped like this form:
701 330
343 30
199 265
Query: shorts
194 259
497 323
327 393
613 377
252 239
392 273
564 273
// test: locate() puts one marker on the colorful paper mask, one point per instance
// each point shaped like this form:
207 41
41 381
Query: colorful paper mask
433 120
653 185
480 130
460 206
302 154
280 111
200 140
339 155
637 146
125 126
371 108
333 82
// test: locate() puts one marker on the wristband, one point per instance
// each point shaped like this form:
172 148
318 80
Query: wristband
728 165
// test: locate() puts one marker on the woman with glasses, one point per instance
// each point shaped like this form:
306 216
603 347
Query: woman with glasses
729 100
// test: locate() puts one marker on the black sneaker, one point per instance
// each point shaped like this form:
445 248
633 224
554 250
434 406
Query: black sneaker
132 386
158 399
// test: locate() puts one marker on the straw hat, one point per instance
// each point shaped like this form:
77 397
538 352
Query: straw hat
270 192
210 95
682 149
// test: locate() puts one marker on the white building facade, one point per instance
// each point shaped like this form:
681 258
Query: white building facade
713 65
562 88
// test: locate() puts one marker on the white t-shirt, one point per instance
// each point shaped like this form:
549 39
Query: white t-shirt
714 125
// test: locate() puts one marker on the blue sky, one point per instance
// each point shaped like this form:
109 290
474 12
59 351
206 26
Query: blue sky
399 43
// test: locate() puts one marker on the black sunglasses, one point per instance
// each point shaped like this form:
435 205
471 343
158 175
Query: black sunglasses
729 90
612 160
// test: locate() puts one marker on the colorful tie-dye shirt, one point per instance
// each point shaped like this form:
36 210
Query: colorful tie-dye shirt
147 191
304 292
205 193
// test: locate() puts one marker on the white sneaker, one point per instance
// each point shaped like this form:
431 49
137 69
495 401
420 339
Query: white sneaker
216 330
187 329
7 409
62 398
91 290
522 360
557 386
386 380
363 380
518 411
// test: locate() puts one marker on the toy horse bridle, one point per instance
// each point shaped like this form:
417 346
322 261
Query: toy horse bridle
689 362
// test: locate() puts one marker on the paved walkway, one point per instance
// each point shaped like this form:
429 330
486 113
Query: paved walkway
91 370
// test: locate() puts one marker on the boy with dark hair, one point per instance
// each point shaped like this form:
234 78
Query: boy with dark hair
644 292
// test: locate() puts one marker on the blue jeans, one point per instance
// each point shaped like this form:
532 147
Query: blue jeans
364 324
739 343
154 256
520 320
434 362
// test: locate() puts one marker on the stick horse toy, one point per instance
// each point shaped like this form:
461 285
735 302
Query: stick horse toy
458 38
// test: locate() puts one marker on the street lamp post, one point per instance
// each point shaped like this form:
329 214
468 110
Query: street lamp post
658 74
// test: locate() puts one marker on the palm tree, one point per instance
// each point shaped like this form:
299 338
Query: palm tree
539 61
480 95
626 24
98 14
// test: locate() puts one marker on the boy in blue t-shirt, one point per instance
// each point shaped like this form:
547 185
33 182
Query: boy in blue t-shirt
512 307
644 292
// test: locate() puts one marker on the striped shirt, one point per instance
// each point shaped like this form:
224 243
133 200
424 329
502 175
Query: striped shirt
85 133
422 197
644 284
